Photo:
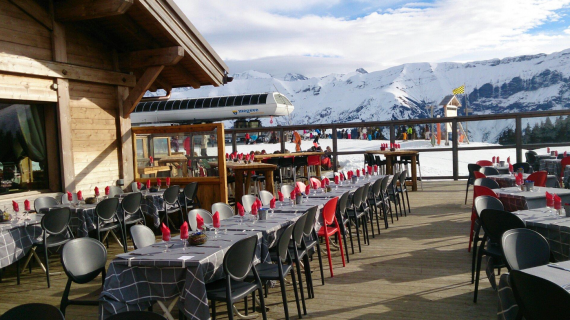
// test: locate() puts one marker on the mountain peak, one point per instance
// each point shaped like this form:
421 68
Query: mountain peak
294 77
361 70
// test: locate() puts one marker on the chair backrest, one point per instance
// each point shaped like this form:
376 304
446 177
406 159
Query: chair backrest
478 175
395 179
314 160
402 178
487 202
107 208
285 162
483 191
538 298
286 190
365 194
284 240
265 197
115 190
65 200
377 187
310 221
539 178
137 315
299 229
484 163
496 222
239 258
489 171
44 203
33 311
487 182
247 201
207 216
530 157
132 202
329 211
142 236
190 190
171 195
357 197
524 165
83 259
472 167
563 163
225 211
56 221
524 248
384 186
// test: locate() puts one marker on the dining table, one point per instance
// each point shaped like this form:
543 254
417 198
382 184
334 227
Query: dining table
392 158
17 237
552 166
509 180
243 170
514 199
261 157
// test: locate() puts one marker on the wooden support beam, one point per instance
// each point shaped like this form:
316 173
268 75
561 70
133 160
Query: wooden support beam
144 83
34 10
163 84
125 140
43 68
78 10
190 78
152 57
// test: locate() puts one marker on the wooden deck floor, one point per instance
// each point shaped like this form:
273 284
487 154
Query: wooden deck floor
417 269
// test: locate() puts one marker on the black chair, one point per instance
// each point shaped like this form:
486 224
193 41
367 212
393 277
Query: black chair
524 165
532 159
191 196
489 171
301 162
286 163
538 298
486 182
108 221
172 205
481 203
494 223
238 263
472 167
56 232
312 241
375 201
344 223
33 311
381 164
524 248
277 272
44 203
83 259
403 189
365 206
386 199
132 213
357 216
393 194
136 315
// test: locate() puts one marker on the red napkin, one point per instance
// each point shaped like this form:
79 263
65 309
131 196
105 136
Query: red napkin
357 173
184 231
165 232
369 170
227 156
493 160
199 221
549 200
375 168
556 153
167 181
341 176
216 220
557 202
247 157
519 179
107 190
240 156
336 179
139 186
272 203
511 168
391 146
363 172
254 210
508 160
259 204
315 185
27 205
281 197
158 182
293 195
232 156
79 195
70 196
151 160
148 184
15 206
97 191
565 154
241 211
548 150
325 182
308 189
497 159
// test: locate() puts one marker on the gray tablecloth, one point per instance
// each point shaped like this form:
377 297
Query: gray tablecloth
513 199
134 282
552 166
508 180
16 239
82 218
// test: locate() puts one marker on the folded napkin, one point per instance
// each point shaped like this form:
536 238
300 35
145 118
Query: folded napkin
107 190
27 205
511 169
375 168
498 159
240 156
79 195
184 231
281 197
308 189
165 232
232 156
70 195
556 153
565 154
549 200
519 179
254 210
216 220
369 170
508 160
325 182
139 185
168 181
199 221
148 184
548 150
493 159
15 206
151 160
241 210
97 191
227 156
557 202
158 182
293 194
357 173
272 203
363 171
316 184
336 179
247 157
341 176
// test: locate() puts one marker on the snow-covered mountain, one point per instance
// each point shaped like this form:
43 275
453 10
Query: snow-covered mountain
524 83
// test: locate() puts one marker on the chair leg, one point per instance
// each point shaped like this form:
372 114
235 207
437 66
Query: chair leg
298 265
329 255
408 200
345 246
401 194
365 231
214 310
65 297
478 270
377 219
349 227
371 221
474 257
320 263
340 246
262 304
357 234
308 277
467 191
230 304
284 295
18 272
296 293
47 265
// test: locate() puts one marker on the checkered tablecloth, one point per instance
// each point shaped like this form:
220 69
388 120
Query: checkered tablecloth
508 307
513 199
552 166
134 282
507 180
566 179
16 239
153 202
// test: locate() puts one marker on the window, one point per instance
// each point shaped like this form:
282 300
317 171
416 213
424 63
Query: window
207 103
199 103
177 104
263 99
223 102
215 103
23 151
146 107
254 99
231 101
154 105
169 105
245 100
161 106
238 101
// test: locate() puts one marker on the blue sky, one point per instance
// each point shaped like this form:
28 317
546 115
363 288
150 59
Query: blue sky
319 37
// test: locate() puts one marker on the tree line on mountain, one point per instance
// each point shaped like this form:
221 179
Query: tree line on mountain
543 132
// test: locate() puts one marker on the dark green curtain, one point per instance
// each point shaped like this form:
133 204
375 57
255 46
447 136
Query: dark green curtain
31 136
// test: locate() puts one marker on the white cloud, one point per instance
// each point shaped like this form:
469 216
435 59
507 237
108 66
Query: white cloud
446 30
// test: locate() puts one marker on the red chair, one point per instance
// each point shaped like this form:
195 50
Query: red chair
313 161
330 228
539 178
565 161
478 175
484 163
478 191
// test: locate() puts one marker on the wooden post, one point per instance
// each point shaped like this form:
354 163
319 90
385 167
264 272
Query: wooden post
234 142
392 134
455 149
282 139
125 140
222 164
518 138
335 150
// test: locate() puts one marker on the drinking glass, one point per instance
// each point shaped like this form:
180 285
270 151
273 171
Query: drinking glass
216 232
184 242
167 241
